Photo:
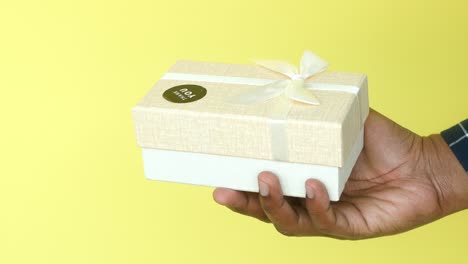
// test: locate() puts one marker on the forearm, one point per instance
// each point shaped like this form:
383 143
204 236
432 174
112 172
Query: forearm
446 173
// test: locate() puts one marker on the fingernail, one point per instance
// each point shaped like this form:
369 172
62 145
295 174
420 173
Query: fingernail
264 190
309 192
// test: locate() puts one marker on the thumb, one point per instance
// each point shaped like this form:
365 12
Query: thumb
382 135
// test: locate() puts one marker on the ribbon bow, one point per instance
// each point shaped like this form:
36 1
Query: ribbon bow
293 88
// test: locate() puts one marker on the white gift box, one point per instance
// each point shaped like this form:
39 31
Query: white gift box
191 130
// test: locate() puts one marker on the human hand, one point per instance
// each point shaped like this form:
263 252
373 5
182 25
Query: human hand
400 181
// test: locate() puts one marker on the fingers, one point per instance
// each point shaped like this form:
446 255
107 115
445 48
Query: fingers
241 202
311 216
279 211
318 207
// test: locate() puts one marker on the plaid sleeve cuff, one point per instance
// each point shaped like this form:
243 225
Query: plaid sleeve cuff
457 139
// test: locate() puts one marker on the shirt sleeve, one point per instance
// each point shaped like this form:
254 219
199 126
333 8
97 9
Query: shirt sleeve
457 139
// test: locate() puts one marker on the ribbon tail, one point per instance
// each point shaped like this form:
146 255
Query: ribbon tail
297 92
259 94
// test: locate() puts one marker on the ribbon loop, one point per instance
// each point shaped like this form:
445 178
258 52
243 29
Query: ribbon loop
282 67
311 64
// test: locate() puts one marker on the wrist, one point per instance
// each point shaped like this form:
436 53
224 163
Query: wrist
446 174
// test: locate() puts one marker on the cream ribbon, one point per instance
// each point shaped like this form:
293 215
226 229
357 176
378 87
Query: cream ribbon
295 88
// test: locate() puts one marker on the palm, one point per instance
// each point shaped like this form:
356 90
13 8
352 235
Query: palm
388 192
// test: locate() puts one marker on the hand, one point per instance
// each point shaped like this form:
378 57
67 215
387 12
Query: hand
400 181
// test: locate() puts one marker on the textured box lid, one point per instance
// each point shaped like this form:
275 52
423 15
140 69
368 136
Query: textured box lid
322 134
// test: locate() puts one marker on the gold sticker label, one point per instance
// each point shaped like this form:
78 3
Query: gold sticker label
185 93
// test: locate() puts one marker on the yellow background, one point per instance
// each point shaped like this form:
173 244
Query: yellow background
72 188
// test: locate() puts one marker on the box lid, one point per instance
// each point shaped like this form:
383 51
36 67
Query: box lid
322 134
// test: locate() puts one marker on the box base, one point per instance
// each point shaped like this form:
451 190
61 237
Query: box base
241 173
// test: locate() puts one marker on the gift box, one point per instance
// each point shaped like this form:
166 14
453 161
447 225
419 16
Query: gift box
219 125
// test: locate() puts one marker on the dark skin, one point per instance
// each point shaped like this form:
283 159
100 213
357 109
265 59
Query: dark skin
400 181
